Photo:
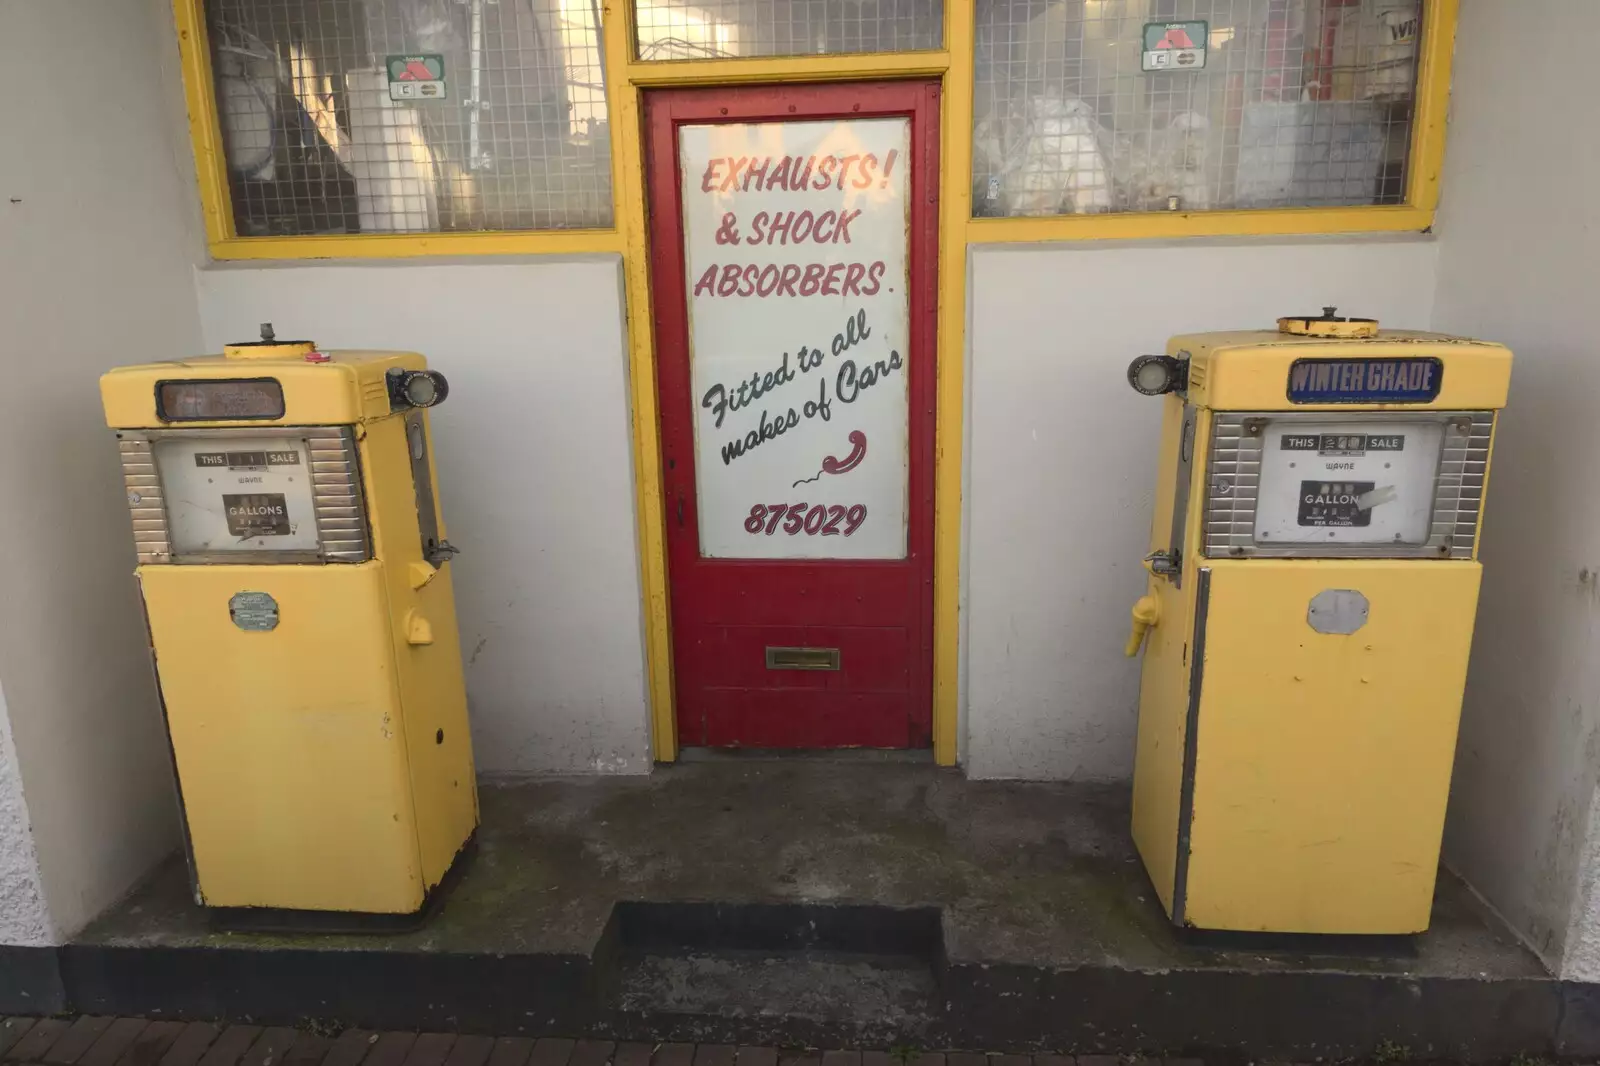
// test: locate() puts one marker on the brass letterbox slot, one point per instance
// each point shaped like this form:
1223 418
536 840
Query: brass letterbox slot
802 658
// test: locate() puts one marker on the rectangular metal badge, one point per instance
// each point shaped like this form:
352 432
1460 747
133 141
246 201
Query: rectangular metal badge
802 658
1406 380
263 514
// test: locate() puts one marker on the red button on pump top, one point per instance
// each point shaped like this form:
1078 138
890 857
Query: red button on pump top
318 357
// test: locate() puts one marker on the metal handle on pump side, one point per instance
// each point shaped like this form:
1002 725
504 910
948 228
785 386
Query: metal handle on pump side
1165 564
441 552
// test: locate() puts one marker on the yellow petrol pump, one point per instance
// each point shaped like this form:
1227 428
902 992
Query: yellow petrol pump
295 576
1313 581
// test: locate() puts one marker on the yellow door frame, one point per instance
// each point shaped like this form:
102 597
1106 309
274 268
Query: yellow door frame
626 78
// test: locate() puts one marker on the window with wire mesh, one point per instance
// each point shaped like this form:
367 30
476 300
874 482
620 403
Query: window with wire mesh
411 116
1086 106
726 29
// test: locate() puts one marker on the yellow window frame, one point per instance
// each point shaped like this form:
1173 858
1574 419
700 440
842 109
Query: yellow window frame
627 78
954 64
1426 161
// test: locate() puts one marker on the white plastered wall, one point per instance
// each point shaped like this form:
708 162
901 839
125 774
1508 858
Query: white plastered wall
24 918
1062 463
1519 235
534 450
536 472
98 237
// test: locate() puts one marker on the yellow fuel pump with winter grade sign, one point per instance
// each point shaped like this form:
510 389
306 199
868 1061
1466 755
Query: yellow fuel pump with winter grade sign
296 579
1313 582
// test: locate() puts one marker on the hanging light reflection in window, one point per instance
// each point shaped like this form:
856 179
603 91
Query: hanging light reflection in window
670 30
584 73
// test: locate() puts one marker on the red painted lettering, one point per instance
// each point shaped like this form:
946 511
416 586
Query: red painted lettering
844 168
710 178
793 279
853 273
829 219
843 232
755 228
780 225
825 170
758 174
780 174
869 164
802 227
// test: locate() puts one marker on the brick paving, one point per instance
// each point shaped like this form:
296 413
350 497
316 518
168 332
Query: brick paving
101 1041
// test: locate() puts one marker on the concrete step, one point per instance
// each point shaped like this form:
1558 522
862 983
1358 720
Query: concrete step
863 992
586 913
860 968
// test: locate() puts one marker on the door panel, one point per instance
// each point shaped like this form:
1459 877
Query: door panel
1310 743
794 234
274 732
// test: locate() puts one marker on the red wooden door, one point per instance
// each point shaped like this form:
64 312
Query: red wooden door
793 243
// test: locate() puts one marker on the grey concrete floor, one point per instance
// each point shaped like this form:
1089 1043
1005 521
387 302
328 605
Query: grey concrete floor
1040 874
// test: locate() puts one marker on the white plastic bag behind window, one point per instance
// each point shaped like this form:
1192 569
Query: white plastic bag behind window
1058 167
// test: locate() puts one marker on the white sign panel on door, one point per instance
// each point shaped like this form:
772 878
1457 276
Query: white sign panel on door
795 249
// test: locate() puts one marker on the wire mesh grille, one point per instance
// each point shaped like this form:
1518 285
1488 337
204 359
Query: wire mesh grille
722 29
1278 103
411 116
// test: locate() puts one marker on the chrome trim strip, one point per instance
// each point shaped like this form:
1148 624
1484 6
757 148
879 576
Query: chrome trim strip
339 509
336 489
1191 750
151 539
1233 481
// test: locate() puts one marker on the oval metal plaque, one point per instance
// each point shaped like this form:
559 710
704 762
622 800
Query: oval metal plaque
1338 611
255 611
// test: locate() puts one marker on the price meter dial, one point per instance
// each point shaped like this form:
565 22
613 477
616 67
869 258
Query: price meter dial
237 494
1347 482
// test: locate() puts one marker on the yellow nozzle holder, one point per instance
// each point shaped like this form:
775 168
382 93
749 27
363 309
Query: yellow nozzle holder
1146 613
285 350
1328 324
269 347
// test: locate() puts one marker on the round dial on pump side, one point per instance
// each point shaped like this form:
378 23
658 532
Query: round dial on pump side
1156 375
